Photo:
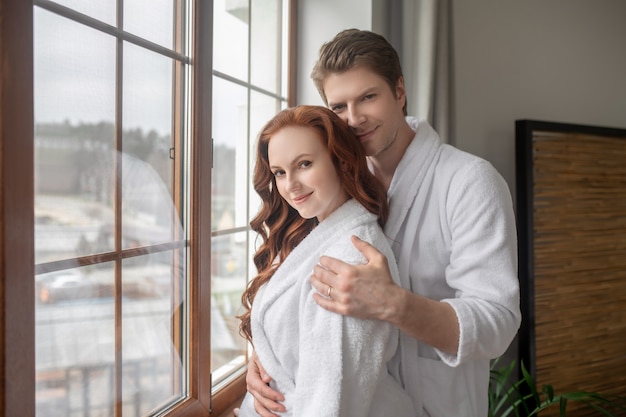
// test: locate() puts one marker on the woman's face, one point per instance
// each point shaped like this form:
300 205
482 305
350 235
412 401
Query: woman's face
305 175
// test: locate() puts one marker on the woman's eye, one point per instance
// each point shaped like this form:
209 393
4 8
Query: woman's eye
305 164
278 173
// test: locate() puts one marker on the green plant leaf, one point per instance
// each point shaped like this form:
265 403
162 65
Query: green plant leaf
530 382
602 410
507 397
563 406
548 391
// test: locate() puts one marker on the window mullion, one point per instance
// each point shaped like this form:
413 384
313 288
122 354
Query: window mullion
119 99
199 299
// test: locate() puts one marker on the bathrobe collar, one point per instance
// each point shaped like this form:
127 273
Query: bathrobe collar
406 179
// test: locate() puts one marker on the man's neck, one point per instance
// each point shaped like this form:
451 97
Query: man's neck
384 164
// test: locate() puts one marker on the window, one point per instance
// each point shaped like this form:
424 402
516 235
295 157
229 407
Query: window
112 207
250 85
130 316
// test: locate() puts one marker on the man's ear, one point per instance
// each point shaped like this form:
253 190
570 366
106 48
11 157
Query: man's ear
401 90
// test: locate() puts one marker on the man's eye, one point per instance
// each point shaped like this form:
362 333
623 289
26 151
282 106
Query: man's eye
337 108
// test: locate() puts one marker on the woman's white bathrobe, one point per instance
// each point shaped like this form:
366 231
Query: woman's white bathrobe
326 364
454 235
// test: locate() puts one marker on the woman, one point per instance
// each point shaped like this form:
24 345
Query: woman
316 191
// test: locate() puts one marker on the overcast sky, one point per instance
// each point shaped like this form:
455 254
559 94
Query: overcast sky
75 69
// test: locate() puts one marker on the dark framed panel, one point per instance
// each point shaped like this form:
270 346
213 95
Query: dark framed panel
571 211
17 288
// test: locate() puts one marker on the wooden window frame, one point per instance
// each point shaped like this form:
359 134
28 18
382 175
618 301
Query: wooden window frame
17 321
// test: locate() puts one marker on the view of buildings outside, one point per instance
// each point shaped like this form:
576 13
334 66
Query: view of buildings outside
76 204
75 307
75 311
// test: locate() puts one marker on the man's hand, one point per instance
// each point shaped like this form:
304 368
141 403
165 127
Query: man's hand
266 399
368 292
362 291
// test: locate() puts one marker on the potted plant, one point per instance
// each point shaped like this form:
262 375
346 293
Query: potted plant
521 398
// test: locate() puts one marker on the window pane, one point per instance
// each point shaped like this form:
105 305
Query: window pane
229 254
148 213
74 138
154 23
135 245
102 9
230 159
285 41
265 68
229 260
147 91
75 344
230 31
153 344
239 112
262 109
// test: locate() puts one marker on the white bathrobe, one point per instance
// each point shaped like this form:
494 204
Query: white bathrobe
326 364
454 235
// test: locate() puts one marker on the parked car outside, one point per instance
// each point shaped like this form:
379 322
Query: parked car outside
65 286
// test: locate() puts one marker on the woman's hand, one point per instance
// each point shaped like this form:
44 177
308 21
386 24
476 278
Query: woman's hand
266 399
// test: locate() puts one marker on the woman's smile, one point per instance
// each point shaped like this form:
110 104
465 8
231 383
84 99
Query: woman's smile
302 198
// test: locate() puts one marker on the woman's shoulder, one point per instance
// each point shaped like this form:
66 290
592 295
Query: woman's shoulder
342 247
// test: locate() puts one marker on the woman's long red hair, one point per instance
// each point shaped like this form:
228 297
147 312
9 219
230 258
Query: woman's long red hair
279 226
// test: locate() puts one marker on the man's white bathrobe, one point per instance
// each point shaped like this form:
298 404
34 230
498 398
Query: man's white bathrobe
326 364
455 240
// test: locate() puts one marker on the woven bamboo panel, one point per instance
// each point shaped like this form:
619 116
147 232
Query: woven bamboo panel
579 229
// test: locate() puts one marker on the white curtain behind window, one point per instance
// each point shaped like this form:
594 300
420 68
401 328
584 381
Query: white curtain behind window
426 56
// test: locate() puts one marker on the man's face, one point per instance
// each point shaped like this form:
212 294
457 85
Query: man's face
364 100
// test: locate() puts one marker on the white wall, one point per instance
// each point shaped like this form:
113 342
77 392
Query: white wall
552 60
557 60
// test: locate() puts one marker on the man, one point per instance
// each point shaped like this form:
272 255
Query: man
453 233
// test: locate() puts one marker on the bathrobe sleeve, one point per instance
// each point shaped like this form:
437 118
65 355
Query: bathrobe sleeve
341 358
483 263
